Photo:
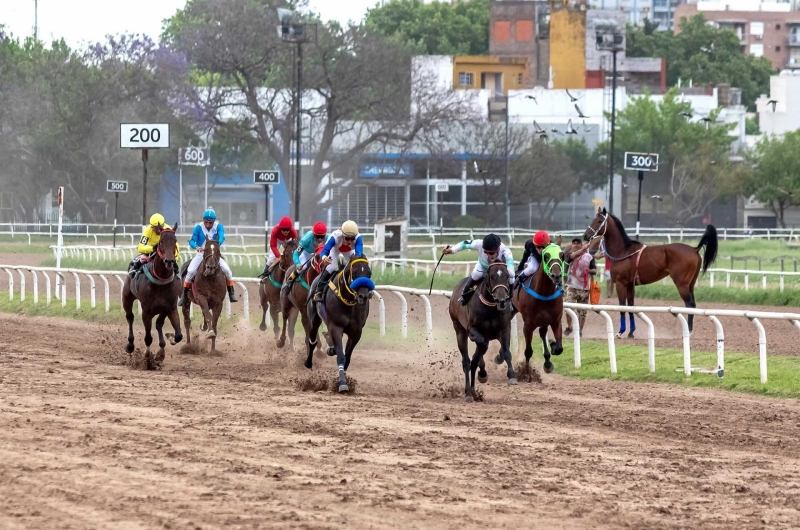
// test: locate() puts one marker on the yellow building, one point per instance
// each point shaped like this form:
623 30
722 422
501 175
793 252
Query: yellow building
568 44
499 74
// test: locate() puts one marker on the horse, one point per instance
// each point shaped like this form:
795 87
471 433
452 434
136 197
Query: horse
486 317
157 287
638 264
269 290
208 291
344 309
541 305
293 303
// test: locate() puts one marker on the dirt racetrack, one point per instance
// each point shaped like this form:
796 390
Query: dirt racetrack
227 441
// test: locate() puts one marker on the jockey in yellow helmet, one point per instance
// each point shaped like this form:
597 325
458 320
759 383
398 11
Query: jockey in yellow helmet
151 235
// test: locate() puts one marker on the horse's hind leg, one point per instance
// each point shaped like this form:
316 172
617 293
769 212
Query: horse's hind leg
293 314
285 321
127 304
187 322
556 348
175 320
274 308
216 312
312 335
147 320
527 331
480 350
686 291
483 375
622 296
264 308
629 300
548 366
162 343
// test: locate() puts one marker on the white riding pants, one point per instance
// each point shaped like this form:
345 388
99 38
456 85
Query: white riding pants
271 257
194 265
334 255
531 266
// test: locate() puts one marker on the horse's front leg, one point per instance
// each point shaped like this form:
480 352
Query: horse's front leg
216 312
622 296
175 321
505 352
264 307
352 342
187 321
127 304
147 320
207 317
629 300
285 322
548 366
162 343
337 334
463 347
556 348
312 334
293 314
274 310
480 349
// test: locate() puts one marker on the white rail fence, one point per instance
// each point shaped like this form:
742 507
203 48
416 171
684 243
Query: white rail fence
58 288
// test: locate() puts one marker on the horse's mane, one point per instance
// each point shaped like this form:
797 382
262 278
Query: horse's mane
626 239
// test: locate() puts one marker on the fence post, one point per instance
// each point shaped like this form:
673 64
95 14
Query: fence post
728 280
612 352
746 282
720 346
21 285
711 280
781 282
764 282
576 335
77 289
63 288
245 301
91 291
514 336
762 350
35 286
10 284
428 318
651 342
403 315
381 313
47 287
687 351
107 294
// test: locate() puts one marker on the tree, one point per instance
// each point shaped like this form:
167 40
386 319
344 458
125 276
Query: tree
589 165
694 159
360 93
703 54
543 175
776 176
436 28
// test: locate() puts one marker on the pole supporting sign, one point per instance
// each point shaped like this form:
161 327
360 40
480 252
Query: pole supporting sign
641 161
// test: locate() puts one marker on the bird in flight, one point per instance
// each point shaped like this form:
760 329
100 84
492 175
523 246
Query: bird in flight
707 121
587 128
580 113
570 128
477 168
555 131
687 115
572 98
533 98
772 102
540 133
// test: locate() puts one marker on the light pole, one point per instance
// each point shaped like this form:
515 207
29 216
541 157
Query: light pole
610 38
294 32
494 112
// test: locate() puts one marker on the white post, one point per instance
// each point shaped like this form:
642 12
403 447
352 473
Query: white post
35 286
687 351
781 282
428 319
107 296
47 287
60 239
576 336
762 350
764 282
727 280
77 290
651 342
91 290
746 282
121 287
245 301
403 315
21 285
711 280
514 336
10 285
720 346
612 352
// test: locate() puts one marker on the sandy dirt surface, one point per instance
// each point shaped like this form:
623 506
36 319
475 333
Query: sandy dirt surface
227 441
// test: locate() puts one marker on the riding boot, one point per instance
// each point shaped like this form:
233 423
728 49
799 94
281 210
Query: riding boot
323 281
287 285
231 295
265 273
468 291
186 288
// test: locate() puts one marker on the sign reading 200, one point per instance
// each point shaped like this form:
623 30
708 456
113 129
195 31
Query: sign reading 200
144 135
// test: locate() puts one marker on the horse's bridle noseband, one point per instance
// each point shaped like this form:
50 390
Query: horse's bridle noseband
501 285
603 225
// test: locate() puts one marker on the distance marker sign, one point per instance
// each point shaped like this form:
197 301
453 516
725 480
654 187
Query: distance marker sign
267 177
144 135
117 186
641 161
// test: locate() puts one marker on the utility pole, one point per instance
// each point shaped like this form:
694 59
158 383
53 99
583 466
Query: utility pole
609 37
35 20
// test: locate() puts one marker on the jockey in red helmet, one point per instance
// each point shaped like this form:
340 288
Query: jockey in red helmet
533 255
281 234
305 251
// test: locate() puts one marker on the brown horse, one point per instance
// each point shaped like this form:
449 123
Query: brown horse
269 291
157 287
485 318
638 264
540 302
294 301
209 291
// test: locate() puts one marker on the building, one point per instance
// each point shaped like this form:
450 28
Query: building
496 74
784 90
768 29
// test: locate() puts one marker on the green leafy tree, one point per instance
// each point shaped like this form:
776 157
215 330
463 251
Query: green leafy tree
590 165
776 175
703 54
435 28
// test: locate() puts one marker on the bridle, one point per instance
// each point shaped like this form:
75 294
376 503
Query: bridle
603 225
210 256
287 254
499 285
158 247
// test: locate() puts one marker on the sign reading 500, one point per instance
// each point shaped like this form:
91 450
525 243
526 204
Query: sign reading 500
144 135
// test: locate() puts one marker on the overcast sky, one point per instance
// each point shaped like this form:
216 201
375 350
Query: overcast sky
80 21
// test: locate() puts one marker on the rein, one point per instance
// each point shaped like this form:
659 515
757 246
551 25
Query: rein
151 274
604 224
612 258
335 283
493 302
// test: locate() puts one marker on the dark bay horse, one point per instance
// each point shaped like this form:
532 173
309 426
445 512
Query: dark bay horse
344 309
157 287
485 318
209 289
638 264
269 290
540 302
293 302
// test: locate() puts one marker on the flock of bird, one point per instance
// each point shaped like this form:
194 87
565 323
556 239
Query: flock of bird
542 133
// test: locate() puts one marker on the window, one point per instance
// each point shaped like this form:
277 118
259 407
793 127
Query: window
757 29
519 79
502 31
524 30
465 79
757 50
777 48
777 26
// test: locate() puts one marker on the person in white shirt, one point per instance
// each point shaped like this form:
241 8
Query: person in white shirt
489 250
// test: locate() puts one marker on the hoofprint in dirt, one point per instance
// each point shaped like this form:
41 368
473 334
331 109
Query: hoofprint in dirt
228 441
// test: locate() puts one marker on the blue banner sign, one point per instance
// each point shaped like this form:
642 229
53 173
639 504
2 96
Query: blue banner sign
372 171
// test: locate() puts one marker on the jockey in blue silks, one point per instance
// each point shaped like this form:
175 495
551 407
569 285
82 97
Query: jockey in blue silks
344 242
212 229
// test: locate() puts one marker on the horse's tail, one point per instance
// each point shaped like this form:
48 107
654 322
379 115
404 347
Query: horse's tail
710 241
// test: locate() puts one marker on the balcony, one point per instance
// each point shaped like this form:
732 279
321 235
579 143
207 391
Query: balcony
793 39
793 63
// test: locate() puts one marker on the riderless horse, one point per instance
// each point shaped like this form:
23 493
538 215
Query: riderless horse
540 302
638 264
485 318
157 287
344 309
209 289
269 291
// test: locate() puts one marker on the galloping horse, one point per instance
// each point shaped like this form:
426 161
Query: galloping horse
637 264
157 287
541 304
269 291
293 303
344 309
209 291
485 318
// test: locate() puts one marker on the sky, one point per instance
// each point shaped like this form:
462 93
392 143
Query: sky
86 21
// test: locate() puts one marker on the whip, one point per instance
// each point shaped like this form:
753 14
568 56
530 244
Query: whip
433 276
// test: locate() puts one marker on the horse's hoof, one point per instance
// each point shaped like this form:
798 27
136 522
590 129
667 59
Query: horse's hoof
630 335
308 364
513 382
211 335
483 378
331 351
262 327
621 335
203 326
498 359
129 347
468 399
558 350
281 343
343 388
548 368
178 338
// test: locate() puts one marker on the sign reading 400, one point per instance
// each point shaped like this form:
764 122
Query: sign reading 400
641 161
144 135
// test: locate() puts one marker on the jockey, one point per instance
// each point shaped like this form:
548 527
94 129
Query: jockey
151 235
305 251
532 256
344 242
211 229
490 249
280 235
